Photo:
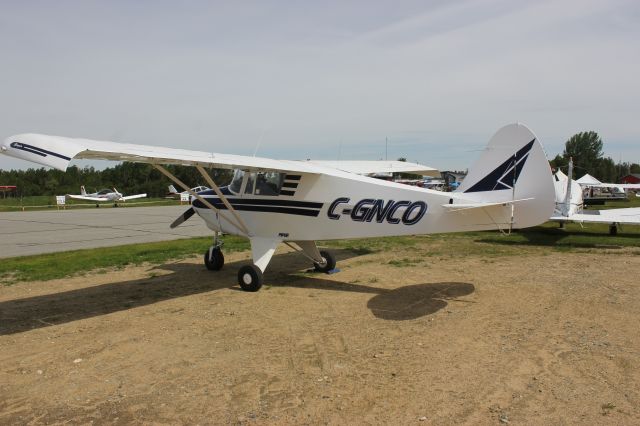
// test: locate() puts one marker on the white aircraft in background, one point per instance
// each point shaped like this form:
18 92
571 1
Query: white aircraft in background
299 202
596 192
589 181
173 192
104 195
569 206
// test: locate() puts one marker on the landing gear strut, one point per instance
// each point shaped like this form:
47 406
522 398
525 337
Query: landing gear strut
613 229
213 258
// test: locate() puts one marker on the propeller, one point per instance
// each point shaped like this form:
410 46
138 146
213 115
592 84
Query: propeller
183 218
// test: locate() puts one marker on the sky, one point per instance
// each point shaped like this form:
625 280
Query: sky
430 81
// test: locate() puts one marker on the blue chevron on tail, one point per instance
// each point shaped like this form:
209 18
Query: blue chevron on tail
506 174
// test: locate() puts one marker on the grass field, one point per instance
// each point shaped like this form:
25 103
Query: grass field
632 201
547 238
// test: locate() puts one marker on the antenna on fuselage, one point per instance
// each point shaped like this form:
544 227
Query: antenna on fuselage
386 148
264 130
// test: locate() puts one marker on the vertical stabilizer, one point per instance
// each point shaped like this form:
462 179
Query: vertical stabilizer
513 167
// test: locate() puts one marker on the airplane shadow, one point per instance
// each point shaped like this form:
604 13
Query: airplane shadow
30 313
553 236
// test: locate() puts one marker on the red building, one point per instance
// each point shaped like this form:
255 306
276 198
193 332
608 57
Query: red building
7 189
632 178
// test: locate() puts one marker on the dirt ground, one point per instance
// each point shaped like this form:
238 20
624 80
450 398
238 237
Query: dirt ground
550 338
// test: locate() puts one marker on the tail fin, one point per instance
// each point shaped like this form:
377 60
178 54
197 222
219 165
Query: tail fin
172 189
513 167
82 190
569 199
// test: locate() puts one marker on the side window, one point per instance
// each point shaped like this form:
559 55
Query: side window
251 181
236 182
266 183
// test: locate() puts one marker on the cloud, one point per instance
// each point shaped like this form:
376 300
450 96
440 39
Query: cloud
435 78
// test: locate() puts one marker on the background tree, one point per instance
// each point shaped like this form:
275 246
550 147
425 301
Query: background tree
128 178
559 162
586 150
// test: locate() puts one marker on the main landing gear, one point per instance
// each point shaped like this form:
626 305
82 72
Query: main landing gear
213 258
328 262
250 277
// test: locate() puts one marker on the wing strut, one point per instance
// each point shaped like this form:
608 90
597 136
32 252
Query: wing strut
219 193
168 174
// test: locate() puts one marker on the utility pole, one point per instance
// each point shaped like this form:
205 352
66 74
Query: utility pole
386 150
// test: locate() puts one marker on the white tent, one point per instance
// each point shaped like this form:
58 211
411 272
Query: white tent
588 180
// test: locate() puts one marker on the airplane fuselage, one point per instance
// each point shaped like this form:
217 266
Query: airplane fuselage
335 206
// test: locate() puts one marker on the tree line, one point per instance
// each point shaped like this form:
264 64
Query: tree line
586 150
128 178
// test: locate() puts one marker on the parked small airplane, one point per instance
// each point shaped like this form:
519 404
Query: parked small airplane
104 195
299 202
596 192
570 203
173 192
589 181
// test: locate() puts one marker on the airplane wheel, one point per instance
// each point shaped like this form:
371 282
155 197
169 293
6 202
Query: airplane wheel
215 262
329 262
613 230
250 278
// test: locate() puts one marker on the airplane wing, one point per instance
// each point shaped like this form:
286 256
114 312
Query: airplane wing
371 167
622 186
628 216
57 152
133 197
83 197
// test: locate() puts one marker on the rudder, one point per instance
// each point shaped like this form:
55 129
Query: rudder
513 167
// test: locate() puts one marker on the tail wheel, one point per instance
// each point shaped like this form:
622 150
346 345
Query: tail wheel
328 262
214 259
250 278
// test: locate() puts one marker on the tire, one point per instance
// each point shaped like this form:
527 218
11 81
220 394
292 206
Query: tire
329 262
216 262
250 278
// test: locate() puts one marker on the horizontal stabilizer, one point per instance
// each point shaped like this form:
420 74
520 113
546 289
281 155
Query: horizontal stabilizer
470 206
626 216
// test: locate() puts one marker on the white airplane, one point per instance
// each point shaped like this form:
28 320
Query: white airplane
569 206
299 202
588 181
104 195
173 192
596 192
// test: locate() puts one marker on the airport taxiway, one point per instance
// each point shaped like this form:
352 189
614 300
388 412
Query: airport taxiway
37 232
